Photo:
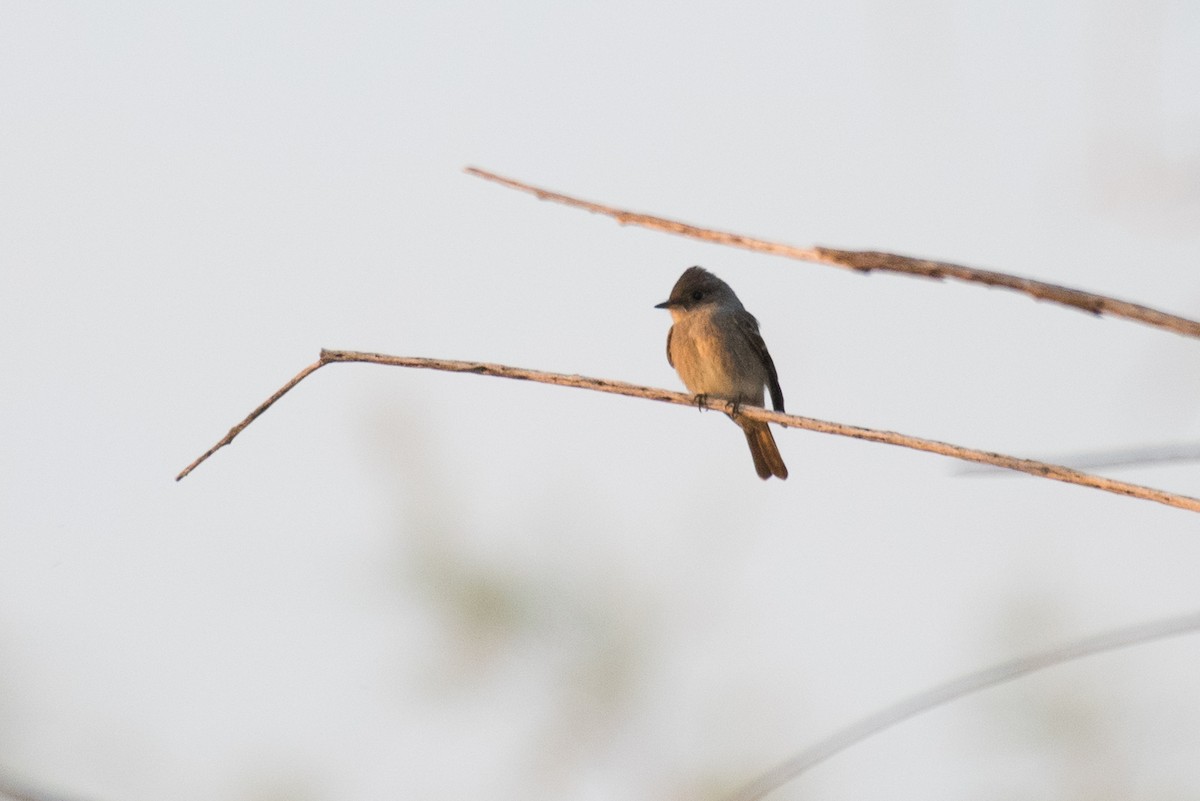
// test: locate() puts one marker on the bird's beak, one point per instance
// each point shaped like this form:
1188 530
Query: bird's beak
666 304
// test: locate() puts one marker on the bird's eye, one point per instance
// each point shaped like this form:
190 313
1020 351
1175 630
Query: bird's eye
697 295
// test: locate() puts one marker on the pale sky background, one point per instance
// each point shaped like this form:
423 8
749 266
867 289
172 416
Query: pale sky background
406 584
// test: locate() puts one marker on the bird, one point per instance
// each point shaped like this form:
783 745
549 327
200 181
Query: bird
715 347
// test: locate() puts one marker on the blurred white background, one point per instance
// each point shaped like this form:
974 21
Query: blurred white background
404 584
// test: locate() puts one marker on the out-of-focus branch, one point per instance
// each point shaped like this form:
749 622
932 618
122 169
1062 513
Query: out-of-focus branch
1042 469
11 790
1149 455
957 688
865 261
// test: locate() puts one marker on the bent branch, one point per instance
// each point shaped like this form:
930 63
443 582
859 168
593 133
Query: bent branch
1035 468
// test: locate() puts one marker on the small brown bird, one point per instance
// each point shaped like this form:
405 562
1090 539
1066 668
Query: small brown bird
715 347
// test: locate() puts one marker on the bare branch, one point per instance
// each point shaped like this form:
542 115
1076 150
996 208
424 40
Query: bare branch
865 261
233 432
1042 469
957 688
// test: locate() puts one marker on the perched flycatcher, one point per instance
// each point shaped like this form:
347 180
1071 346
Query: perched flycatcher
715 347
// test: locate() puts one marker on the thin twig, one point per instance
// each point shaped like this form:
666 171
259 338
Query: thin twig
865 261
1051 471
964 685
233 432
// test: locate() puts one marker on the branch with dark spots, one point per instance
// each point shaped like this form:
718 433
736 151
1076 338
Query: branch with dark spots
867 261
1029 466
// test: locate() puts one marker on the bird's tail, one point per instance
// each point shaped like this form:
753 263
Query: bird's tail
767 461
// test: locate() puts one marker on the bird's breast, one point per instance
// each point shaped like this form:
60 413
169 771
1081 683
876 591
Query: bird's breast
712 357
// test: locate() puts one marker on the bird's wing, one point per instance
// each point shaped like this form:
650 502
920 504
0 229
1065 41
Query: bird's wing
749 328
670 331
